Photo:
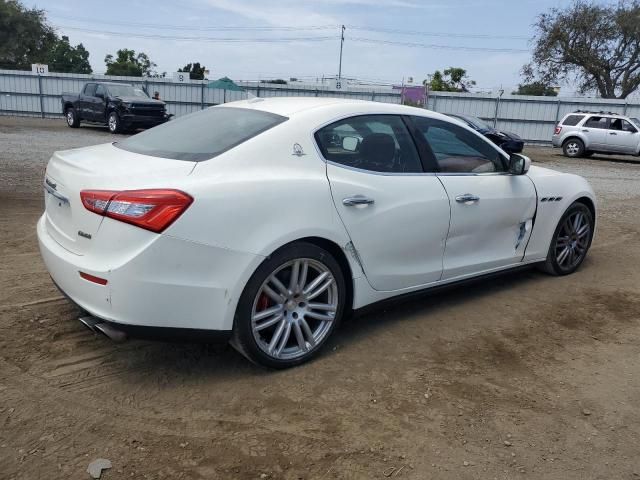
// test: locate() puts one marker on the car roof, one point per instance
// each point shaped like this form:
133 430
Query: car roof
110 83
291 106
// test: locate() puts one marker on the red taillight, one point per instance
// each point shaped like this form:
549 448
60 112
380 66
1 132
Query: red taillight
558 130
153 209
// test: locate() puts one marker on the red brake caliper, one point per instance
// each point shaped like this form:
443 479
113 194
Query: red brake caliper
263 302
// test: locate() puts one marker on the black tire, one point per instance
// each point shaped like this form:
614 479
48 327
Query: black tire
244 338
573 148
72 117
555 264
114 123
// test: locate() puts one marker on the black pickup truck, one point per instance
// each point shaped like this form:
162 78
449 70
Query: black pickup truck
119 106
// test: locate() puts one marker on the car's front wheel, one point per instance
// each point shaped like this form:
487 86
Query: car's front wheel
115 125
290 306
573 148
571 241
72 118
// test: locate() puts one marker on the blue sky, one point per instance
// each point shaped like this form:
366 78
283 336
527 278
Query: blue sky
87 21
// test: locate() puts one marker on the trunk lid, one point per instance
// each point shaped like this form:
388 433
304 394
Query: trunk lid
102 167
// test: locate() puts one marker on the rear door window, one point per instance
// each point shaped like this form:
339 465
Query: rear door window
202 135
572 120
597 122
378 143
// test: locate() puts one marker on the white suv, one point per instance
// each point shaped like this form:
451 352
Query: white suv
581 134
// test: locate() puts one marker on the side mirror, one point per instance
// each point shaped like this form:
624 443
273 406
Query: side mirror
350 143
519 164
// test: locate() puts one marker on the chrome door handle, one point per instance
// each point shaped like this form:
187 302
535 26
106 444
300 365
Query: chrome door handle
356 200
612 133
467 198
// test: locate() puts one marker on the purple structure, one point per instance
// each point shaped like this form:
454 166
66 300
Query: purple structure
414 94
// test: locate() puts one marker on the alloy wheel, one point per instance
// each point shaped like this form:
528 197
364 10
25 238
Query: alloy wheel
573 149
294 308
572 242
70 118
113 122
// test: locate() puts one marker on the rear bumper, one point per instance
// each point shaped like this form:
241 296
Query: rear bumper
556 141
168 284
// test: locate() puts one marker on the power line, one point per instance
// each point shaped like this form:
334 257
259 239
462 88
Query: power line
202 39
197 28
290 40
292 29
438 34
437 47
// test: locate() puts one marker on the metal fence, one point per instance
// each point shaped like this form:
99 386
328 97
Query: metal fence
533 118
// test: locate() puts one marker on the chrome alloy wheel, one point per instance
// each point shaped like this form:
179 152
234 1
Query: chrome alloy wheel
573 240
294 309
113 122
573 148
70 118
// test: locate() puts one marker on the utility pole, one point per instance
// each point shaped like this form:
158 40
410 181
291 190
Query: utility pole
338 84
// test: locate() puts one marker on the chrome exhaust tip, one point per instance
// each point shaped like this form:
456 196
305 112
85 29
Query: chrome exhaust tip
89 322
113 333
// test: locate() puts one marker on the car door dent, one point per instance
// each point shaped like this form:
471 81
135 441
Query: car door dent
475 245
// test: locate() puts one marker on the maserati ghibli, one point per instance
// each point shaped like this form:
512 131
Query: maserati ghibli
266 221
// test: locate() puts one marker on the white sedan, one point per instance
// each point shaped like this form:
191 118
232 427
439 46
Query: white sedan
266 221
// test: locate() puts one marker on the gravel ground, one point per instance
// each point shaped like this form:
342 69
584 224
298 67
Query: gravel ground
523 376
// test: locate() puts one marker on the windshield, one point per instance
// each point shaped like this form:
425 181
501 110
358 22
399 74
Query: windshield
636 121
126 91
202 135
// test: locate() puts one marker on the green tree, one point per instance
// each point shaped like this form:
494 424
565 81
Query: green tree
66 58
453 79
127 63
536 88
596 45
196 72
25 36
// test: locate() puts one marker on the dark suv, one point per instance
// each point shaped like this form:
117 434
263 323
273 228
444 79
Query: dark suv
120 106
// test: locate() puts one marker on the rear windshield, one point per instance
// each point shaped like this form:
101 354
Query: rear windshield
572 120
201 135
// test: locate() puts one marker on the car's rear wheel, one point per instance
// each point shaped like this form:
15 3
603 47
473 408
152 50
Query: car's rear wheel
571 241
72 118
573 148
114 123
290 306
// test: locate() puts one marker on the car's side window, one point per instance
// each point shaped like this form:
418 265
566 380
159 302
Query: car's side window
628 127
572 120
597 122
101 90
378 143
457 150
621 125
90 89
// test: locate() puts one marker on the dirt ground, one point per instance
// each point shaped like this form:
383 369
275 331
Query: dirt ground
524 376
